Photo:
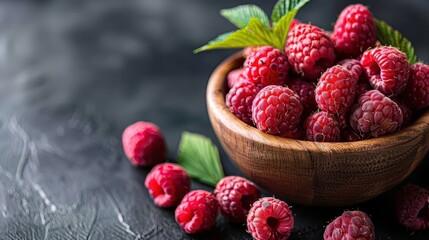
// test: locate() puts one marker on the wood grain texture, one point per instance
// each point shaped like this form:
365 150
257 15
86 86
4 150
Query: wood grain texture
311 173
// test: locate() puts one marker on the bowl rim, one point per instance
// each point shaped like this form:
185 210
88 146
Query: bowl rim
215 97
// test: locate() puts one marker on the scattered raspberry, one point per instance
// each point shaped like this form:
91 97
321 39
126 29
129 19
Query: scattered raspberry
276 110
322 127
362 87
235 196
350 225
270 219
239 100
235 76
353 65
305 91
267 66
354 31
310 51
167 184
412 204
387 69
416 94
144 144
335 91
376 114
197 212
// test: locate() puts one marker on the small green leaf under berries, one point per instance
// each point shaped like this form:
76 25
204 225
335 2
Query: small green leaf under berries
390 37
241 15
282 27
254 34
200 158
282 7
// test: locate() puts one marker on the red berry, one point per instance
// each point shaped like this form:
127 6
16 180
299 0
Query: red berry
354 31
305 91
197 212
362 87
322 127
239 100
294 23
276 110
416 94
406 112
310 51
353 65
167 184
412 204
270 219
144 144
297 134
376 114
249 50
235 76
235 196
387 69
350 225
342 120
267 66
335 91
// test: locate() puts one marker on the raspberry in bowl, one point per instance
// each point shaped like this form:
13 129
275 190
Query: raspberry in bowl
314 173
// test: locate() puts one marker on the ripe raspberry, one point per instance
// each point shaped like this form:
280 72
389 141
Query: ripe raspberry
297 134
144 144
342 121
335 91
249 50
267 66
322 127
305 91
350 225
197 212
294 23
412 204
235 196
416 94
387 69
407 114
353 65
235 76
354 31
362 87
167 184
310 51
276 110
239 100
270 219
376 114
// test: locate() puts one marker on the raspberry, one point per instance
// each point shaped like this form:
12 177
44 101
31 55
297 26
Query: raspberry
354 31
167 184
235 196
235 76
350 225
276 110
249 50
416 94
348 135
294 23
144 144
239 100
197 212
362 87
412 204
322 127
342 121
406 113
267 66
305 91
310 51
387 69
297 134
335 91
353 65
270 219
376 114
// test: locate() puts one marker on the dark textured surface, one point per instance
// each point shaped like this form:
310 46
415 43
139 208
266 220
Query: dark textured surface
73 74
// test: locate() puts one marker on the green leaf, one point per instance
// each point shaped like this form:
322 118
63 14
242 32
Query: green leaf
391 37
282 27
282 7
254 34
241 15
200 158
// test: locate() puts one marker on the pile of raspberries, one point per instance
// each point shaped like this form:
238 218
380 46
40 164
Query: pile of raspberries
329 87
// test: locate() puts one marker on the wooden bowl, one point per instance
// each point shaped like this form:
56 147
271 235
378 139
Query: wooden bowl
312 173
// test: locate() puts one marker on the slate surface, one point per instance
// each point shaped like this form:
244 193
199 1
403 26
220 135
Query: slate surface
73 74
